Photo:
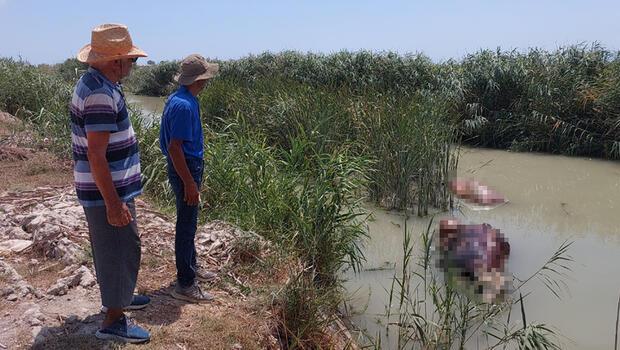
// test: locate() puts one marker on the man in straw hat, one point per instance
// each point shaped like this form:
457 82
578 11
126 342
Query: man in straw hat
107 175
181 141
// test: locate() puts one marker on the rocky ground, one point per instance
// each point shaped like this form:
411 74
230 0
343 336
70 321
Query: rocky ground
49 296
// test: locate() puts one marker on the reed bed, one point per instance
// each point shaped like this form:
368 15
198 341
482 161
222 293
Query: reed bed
563 101
409 141
153 79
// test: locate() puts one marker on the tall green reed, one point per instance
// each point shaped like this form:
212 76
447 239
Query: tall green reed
409 140
558 102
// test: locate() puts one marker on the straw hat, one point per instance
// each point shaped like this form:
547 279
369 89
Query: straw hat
109 42
195 67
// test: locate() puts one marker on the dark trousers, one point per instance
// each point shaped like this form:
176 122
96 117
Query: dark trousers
116 255
187 219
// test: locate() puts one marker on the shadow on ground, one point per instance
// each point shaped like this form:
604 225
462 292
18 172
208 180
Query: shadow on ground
163 310
77 333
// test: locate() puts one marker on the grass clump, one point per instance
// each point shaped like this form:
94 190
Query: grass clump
305 312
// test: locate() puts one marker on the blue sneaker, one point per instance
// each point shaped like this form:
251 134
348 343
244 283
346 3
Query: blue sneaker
138 302
124 330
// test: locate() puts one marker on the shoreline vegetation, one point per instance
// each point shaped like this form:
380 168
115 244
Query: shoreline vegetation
296 143
561 102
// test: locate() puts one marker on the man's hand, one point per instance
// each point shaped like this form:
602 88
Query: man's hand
191 196
119 215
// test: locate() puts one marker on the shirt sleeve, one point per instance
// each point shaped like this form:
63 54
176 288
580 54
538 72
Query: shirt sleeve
181 123
99 113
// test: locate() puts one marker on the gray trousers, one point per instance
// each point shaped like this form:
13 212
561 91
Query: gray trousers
116 254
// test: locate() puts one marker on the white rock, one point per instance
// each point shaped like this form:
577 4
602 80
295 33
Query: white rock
33 316
58 289
87 279
7 208
17 287
14 246
39 334
45 231
69 270
16 232
32 222
36 331
68 252
81 276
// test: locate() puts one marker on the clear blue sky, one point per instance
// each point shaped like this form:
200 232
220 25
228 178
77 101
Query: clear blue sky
48 31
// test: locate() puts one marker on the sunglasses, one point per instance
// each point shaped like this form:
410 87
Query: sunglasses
134 59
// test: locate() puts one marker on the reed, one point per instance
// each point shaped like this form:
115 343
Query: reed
557 102
409 141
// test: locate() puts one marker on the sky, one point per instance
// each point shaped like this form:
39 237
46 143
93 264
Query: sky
49 31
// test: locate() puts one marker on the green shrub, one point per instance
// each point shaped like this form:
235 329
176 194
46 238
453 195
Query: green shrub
153 80
71 70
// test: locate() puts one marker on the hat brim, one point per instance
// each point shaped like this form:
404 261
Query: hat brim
188 80
87 55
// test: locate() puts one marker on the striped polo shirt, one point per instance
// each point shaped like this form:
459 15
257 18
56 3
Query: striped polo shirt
99 105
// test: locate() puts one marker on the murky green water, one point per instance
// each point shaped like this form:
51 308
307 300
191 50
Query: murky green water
151 106
552 199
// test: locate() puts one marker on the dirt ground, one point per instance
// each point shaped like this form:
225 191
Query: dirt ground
49 298
23 163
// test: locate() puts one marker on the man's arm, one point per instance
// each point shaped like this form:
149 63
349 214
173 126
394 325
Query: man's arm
118 213
191 194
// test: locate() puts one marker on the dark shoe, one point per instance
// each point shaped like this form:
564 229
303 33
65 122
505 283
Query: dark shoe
205 275
137 303
193 294
124 330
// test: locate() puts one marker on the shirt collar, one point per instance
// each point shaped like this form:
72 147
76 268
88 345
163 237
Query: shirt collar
183 90
98 74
